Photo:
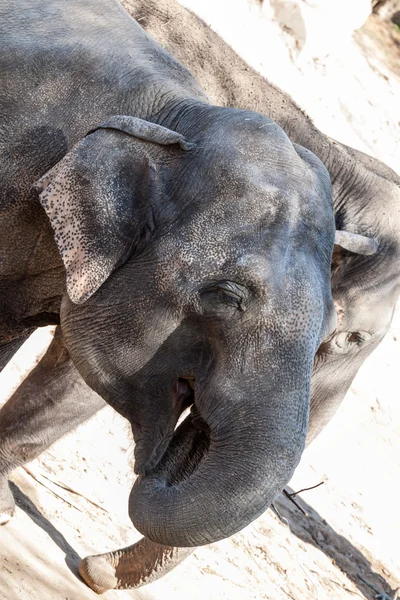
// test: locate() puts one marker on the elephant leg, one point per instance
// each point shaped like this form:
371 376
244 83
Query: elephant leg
52 400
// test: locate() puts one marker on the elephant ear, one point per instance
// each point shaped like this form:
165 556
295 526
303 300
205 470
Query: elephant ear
347 247
356 243
99 197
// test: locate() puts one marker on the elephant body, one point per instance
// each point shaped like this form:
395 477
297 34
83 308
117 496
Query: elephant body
44 115
186 253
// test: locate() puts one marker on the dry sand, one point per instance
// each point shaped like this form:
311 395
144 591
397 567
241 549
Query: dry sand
352 530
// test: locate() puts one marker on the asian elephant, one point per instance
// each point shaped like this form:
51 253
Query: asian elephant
365 194
184 250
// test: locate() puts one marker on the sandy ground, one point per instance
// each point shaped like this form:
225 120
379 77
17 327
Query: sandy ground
351 533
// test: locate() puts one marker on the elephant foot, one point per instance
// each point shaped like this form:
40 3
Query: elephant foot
7 504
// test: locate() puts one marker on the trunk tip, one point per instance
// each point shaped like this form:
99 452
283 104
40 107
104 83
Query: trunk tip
98 573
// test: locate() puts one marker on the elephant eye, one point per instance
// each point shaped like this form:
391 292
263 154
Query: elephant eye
220 296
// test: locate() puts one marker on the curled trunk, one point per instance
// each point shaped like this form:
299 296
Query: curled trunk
219 474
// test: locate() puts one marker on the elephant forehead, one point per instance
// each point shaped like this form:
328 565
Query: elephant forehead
240 230
221 230
216 251
233 223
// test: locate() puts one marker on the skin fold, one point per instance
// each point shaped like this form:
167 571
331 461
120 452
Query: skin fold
185 250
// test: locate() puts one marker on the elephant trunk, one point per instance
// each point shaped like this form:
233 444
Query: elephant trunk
223 470
130 567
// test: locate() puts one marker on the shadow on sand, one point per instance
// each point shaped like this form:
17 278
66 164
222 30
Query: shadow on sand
313 529
72 558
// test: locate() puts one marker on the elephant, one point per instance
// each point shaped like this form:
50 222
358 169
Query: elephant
365 193
187 254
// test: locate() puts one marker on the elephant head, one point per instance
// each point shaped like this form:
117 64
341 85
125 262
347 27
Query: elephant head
198 275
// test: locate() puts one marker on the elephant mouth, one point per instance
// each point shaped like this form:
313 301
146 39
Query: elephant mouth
185 452
180 453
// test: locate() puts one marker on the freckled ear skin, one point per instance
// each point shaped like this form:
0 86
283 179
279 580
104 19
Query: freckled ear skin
98 197
93 198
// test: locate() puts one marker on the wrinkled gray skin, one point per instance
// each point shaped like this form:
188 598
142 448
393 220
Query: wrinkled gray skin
195 269
195 263
366 198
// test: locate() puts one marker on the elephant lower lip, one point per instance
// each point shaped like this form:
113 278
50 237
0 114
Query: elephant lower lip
148 456
188 447
183 391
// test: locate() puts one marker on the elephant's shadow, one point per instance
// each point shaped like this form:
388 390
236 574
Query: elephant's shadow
72 558
313 529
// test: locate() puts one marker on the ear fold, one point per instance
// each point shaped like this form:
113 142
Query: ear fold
347 245
98 195
358 244
145 130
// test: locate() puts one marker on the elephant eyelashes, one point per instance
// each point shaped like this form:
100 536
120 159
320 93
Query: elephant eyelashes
223 298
